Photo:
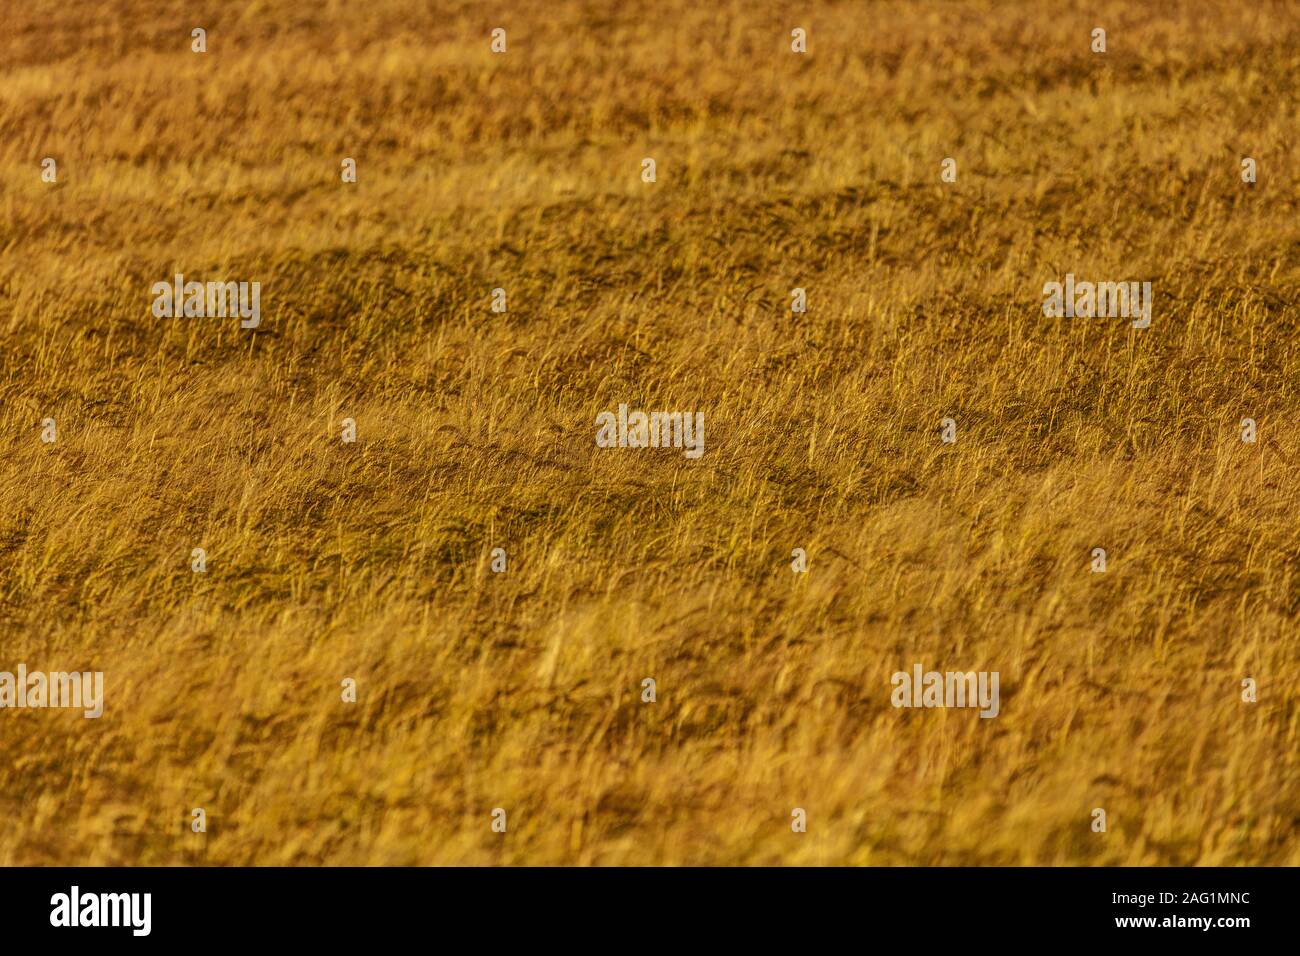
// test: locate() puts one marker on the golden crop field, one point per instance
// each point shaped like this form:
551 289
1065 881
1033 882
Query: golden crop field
130 440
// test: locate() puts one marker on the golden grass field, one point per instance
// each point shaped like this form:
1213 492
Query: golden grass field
476 430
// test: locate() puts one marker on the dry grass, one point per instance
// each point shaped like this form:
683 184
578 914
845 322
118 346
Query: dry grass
476 430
